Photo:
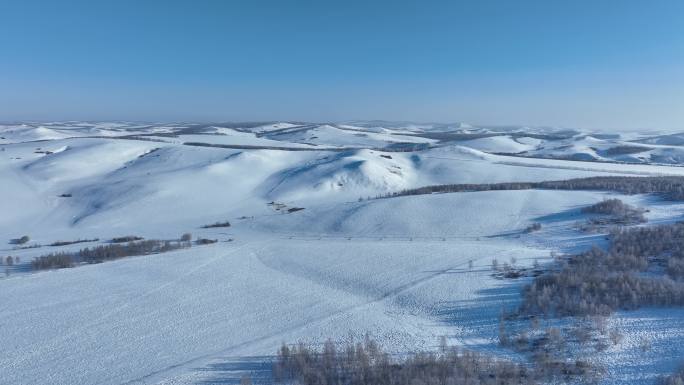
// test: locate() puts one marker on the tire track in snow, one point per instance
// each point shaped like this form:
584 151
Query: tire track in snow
38 349
156 375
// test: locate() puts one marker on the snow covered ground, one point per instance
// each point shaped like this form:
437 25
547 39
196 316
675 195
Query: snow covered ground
405 270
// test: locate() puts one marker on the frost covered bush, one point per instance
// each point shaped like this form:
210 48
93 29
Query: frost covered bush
620 212
610 207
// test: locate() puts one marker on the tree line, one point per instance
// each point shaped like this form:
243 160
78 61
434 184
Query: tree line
365 363
108 252
672 187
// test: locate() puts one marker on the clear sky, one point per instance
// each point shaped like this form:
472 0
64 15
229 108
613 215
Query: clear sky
602 64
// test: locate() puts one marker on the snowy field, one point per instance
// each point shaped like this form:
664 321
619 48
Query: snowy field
405 270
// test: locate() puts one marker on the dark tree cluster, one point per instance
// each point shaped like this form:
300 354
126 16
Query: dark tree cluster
217 224
619 212
625 150
53 261
598 282
20 241
367 364
536 226
610 207
65 243
469 187
126 238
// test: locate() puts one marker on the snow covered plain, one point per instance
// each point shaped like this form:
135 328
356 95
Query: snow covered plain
398 269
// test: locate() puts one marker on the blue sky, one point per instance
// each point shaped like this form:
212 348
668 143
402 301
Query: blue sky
602 64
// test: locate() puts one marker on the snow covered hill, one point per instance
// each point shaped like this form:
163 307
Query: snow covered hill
307 255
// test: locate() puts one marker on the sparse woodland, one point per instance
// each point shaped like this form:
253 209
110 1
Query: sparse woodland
367 364
598 282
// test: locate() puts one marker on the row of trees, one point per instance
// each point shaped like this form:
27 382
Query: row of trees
367 364
671 187
115 251
9 260
108 252
126 238
217 224
53 261
65 243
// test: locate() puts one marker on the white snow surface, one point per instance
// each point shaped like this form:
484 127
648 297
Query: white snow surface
396 269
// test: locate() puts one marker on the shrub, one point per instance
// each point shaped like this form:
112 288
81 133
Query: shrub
533 227
205 241
20 241
187 237
217 224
